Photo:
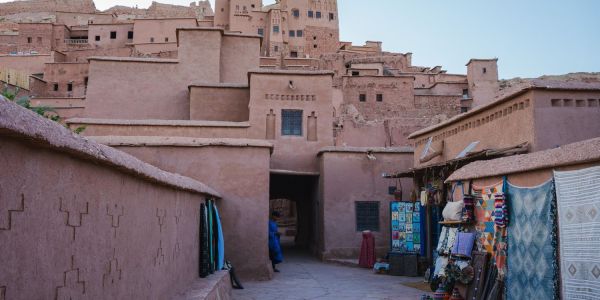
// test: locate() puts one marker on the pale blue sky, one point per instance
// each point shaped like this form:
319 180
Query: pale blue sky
529 37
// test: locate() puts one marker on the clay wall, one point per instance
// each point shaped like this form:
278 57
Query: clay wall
104 32
82 19
245 206
61 76
565 117
350 177
151 95
134 235
503 125
310 92
8 42
148 94
320 40
28 63
219 103
397 95
482 76
238 55
159 31
81 55
35 37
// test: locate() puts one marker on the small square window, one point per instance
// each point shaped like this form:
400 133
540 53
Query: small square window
291 122
292 33
296 13
311 14
362 97
113 35
299 33
294 54
315 46
129 35
69 87
261 31
55 87
355 73
276 28
276 48
166 40
367 215
29 40
318 15
97 38
484 70
151 40
379 97
331 16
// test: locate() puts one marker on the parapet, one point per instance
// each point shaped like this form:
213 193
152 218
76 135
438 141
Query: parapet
19 122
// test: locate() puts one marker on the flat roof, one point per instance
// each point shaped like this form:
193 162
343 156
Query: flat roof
534 84
135 59
162 141
219 85
480 59
587 151
291 72
146 122
21 123
334 149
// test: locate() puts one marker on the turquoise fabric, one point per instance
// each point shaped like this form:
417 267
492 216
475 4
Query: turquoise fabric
220 241
531 265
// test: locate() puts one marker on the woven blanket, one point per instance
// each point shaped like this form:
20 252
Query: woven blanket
578 199
531 261
484 223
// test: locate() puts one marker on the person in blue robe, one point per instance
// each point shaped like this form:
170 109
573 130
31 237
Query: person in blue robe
275 253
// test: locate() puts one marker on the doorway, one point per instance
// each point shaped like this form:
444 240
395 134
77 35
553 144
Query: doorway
295 198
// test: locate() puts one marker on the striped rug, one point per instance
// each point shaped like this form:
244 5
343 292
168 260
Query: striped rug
578 197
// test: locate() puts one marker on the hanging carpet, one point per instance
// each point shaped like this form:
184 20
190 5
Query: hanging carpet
578 199
531 239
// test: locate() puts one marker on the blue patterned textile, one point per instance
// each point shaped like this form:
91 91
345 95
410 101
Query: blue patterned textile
531 243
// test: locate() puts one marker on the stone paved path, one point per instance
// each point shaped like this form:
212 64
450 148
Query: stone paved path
304 277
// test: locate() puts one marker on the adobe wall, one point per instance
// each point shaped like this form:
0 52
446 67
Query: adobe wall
241 174
147 94
104 30
350 177
219 103
134 235
159 30
503 125
82 18
81 55
63 74
311 92
31 37
29 63
398 95
320 40
565 117
238 55
482 76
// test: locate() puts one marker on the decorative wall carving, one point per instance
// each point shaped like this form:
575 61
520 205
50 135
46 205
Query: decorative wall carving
5 210
73 287
115 212
159 259
161 214
113 271
291 97
74 211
